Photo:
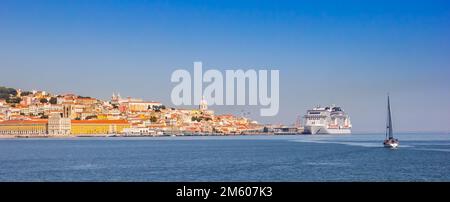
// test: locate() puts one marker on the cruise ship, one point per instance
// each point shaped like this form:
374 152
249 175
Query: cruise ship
327 120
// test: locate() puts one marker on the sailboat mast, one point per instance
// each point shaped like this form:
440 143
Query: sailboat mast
389 126
387 119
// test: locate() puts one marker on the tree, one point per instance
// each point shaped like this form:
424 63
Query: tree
13 100
194 118
155 108
53 100
25 93
91 117
8 91
153 119
4 96
43 100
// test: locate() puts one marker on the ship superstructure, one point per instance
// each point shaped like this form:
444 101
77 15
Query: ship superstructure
327 120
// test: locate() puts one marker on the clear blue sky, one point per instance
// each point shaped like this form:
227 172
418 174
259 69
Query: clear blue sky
344 52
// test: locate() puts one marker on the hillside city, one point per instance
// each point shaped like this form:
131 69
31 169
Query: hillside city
43 113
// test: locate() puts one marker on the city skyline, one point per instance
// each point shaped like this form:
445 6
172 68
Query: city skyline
348 53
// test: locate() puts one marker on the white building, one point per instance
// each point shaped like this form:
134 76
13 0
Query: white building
58 125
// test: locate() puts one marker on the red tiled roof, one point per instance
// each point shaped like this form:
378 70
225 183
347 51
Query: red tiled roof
34 121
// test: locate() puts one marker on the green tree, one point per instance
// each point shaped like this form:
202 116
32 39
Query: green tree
5 96
91 117
153 119
13 100
43 100
25 93
8 91
53 100
194 118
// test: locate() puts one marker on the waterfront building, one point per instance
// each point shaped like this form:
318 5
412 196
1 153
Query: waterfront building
24 127
98 126
138 131
58 125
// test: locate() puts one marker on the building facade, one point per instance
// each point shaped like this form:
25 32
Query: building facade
58 125
80 127
24 127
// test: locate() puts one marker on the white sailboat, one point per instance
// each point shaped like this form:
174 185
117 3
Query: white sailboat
390 141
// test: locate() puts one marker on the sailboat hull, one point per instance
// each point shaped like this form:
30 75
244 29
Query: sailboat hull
391 145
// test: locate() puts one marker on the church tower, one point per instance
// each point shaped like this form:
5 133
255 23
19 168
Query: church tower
203 104
67 111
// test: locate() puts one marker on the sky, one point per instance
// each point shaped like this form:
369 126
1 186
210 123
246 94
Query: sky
348 53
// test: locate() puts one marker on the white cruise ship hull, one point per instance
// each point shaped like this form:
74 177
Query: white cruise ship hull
324 130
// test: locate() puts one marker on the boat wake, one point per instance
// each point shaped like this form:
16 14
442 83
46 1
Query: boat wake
331 164
431 149
350 143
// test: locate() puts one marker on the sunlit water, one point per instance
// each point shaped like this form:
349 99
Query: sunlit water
356 157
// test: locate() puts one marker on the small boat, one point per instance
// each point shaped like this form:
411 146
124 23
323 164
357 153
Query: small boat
390 141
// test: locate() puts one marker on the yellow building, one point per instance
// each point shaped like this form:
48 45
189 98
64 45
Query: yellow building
102 116
24 127
139 106
98 126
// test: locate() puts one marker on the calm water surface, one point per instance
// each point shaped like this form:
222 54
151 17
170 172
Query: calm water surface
356 157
